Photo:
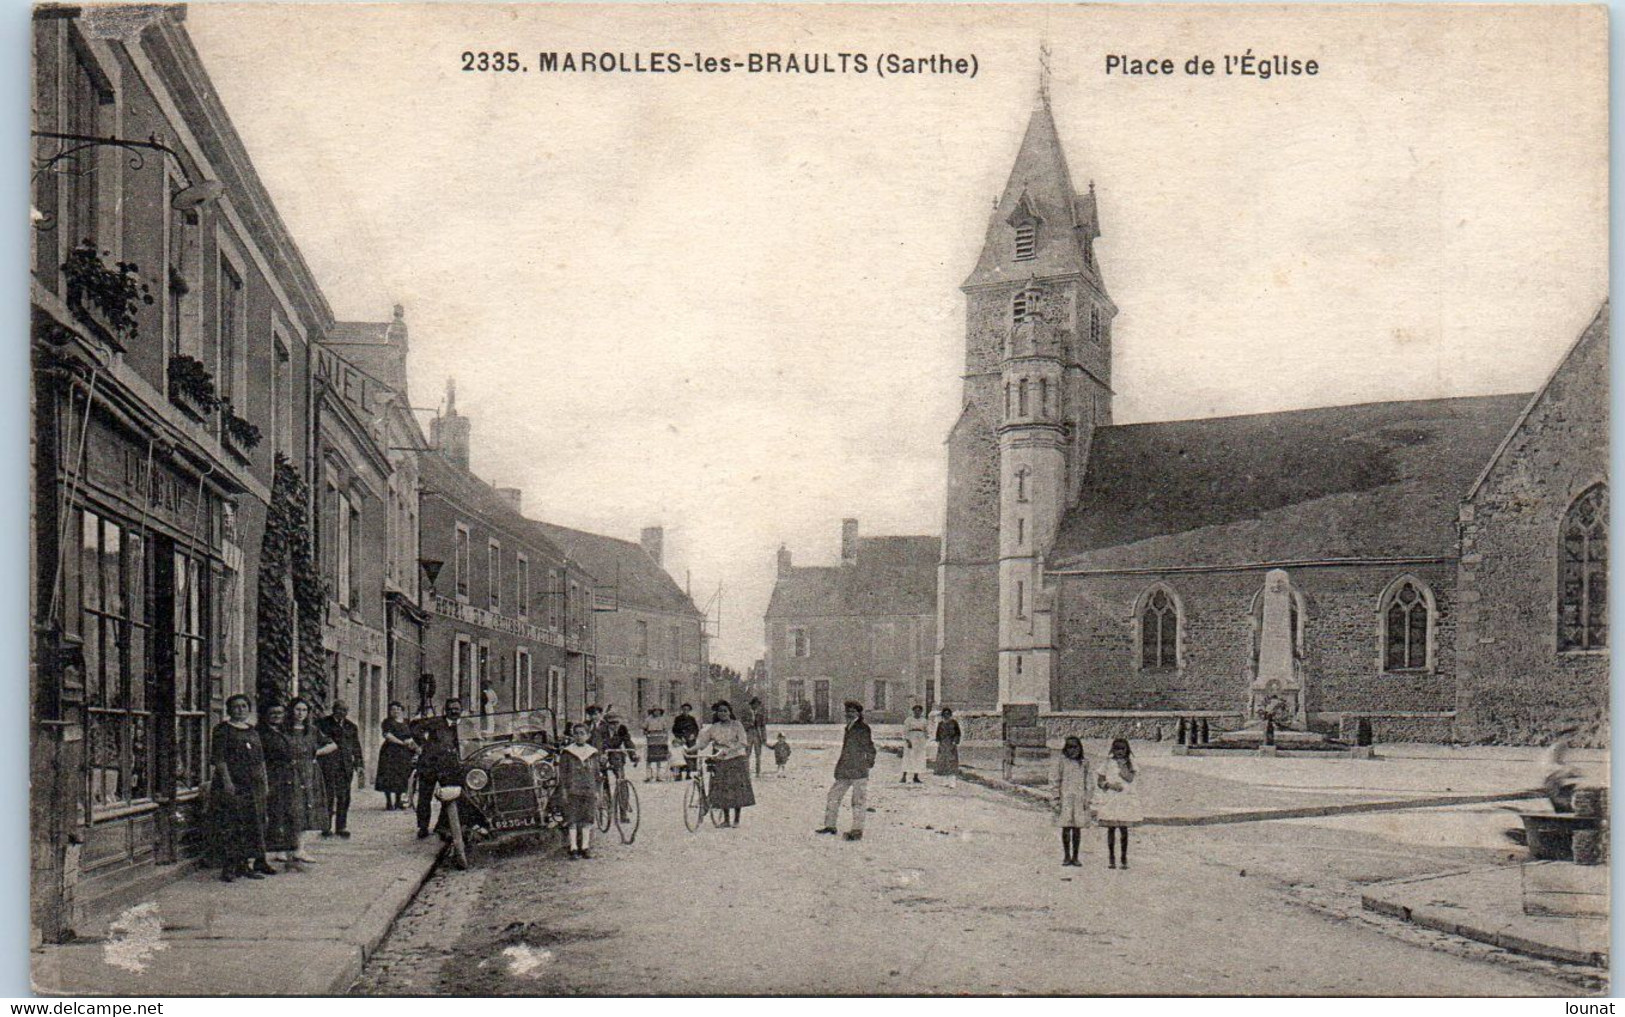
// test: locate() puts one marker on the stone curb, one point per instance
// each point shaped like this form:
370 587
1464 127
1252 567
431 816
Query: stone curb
376 923
1264 815
1503 937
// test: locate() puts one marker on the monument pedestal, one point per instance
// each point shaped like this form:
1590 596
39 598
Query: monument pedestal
1026 745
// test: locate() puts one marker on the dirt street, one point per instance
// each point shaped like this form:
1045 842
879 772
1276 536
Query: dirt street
949 892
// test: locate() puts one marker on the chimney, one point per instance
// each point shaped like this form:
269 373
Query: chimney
511 497
653 540
849 541
784 560
450 433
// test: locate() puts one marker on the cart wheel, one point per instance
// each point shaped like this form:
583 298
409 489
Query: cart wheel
694 806
454 819
603 812
626 812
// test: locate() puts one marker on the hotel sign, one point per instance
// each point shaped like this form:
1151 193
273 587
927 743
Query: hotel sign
468 614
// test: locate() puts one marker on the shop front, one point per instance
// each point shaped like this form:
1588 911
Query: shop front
131 564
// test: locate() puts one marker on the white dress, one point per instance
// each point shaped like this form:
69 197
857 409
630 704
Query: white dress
1073 783
1119 807
915 740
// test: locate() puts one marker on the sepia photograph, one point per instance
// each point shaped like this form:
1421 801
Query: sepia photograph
818 500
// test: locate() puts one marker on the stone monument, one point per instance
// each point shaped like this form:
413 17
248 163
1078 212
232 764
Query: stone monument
1277 689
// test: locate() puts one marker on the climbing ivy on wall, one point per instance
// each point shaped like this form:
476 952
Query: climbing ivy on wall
290 588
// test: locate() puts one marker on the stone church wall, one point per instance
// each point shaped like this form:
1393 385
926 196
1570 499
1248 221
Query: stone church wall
1516 686
1099 652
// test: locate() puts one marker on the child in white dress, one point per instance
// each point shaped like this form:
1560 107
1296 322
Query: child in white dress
1073 785
1117 800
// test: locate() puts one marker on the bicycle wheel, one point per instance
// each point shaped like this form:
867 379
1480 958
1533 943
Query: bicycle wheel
695 806
626 812
603 809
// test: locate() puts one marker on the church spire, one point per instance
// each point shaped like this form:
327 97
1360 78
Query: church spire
1034 229
1043 75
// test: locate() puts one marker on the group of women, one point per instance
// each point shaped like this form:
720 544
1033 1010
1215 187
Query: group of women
266 786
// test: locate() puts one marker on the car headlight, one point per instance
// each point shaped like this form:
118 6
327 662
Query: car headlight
476 779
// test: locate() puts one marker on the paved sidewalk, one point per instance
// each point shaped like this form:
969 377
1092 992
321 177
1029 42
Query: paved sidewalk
1489 905
296 933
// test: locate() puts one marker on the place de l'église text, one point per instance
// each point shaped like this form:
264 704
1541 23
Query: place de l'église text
1245 65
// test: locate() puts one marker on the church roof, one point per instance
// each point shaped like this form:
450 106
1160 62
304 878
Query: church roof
1040 187
622 564
892 576
1365 481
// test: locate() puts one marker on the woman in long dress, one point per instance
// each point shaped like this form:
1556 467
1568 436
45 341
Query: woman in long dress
281 829
916 732
238 793
948 747
1072 783
656 739
395 758
308 794
1117 800
730 780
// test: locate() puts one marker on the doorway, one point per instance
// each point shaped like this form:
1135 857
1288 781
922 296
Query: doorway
821 701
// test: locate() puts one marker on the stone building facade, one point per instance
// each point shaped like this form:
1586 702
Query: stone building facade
156 429
651 639
507 608
351 491
1113 575
863 630
379 352
1534 564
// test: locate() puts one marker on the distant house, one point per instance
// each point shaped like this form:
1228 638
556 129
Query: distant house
506 606
864 629
651 638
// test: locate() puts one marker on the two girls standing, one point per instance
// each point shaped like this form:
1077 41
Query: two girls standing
1085 797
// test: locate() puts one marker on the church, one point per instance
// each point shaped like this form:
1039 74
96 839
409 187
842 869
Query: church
1434 569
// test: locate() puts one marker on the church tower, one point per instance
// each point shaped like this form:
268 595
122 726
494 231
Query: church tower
1037 382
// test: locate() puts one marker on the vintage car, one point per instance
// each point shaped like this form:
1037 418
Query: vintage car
507 779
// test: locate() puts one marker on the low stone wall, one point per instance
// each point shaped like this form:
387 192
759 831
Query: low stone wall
1160 725
1136 725
1438 728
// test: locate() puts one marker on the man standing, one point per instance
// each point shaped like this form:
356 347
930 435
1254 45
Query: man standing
438 761
340 769
851 771
755 719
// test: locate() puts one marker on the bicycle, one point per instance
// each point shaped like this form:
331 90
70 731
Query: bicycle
697 797
617 799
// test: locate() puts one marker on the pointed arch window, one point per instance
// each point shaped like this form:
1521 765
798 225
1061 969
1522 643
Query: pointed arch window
1021 398
1021 484
1026 241
1159 630
1582 611
1043 397
1407 626
1007 398
1094 325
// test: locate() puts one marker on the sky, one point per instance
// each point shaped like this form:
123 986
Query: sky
728 303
